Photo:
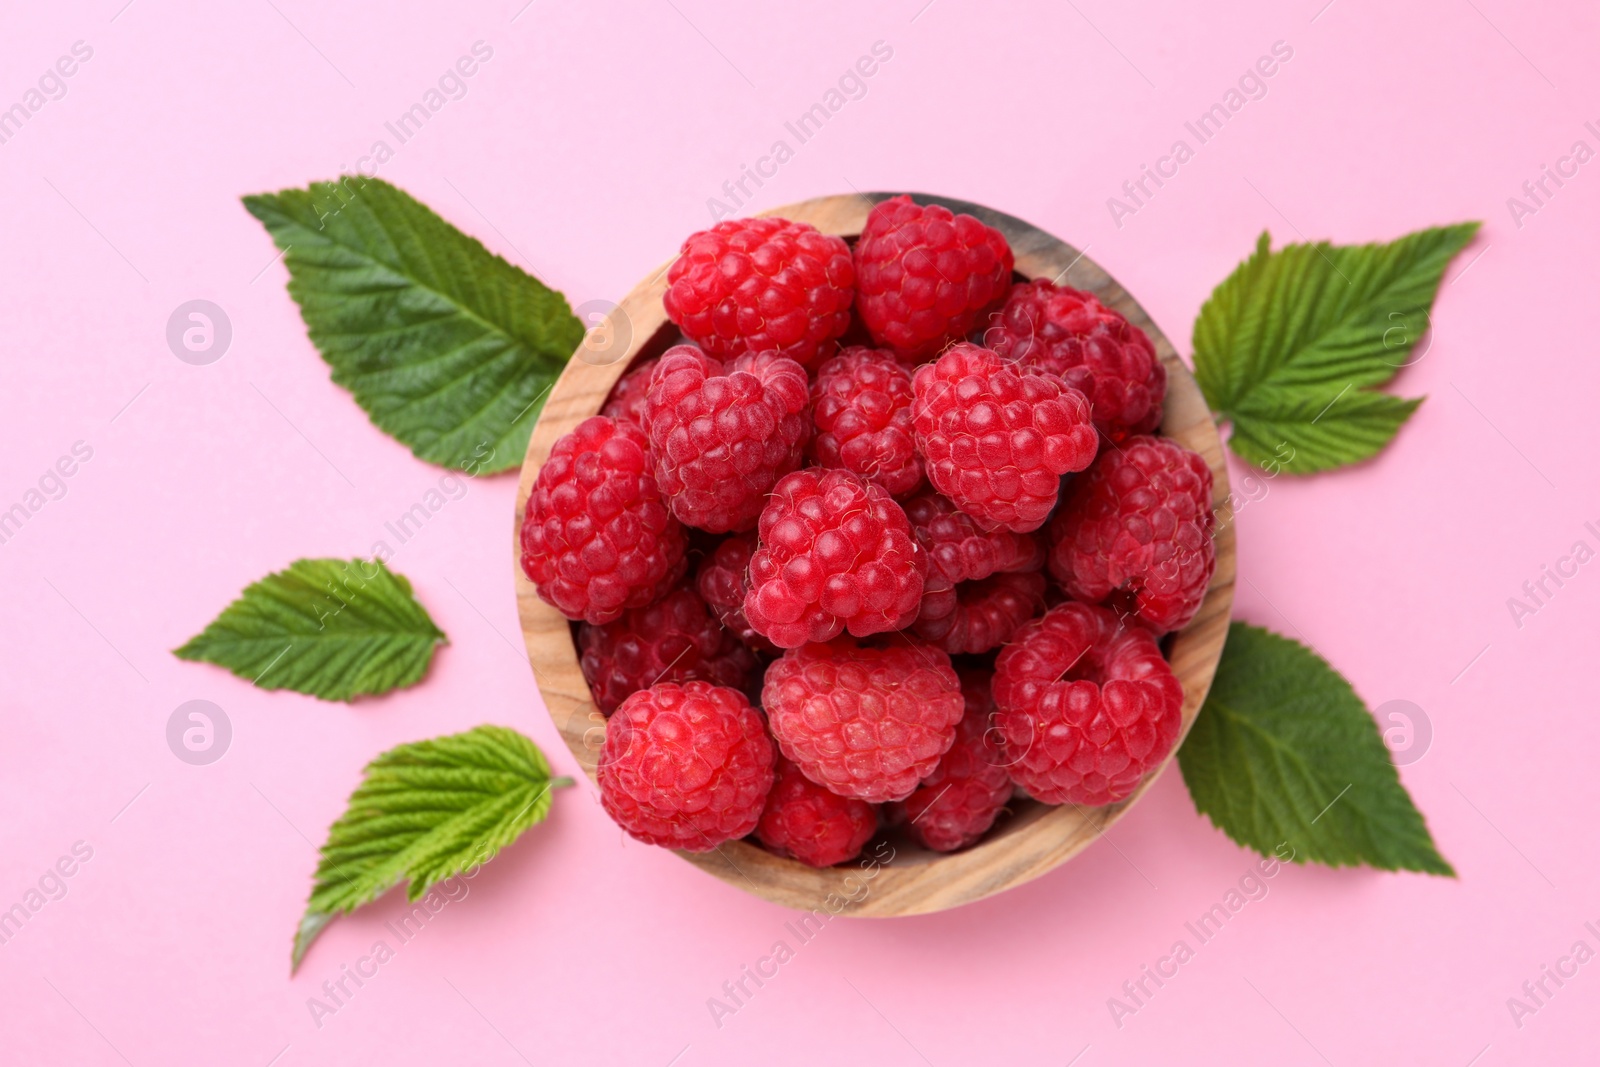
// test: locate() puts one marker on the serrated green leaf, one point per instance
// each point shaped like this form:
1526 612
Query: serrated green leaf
423 812
1289 347
336 629
445 345
1284 751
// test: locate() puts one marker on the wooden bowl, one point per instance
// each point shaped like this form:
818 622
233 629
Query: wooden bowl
1033 837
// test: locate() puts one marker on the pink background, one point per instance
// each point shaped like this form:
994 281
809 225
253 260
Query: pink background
586 149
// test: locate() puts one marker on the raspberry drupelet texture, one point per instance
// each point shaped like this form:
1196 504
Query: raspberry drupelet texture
627 399
925 276
597 537
835 554
1086 706
1092 348
762 285
996 438
674 639
1135 532
805 821
723 581
686 766
861 404
721 436
983 614
960 800
864 722
960 555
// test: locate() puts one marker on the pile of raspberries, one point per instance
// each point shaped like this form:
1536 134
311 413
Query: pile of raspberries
884 540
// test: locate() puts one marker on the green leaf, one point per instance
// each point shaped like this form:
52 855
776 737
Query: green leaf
1284 751
1289 347
446 346
423 812
336 629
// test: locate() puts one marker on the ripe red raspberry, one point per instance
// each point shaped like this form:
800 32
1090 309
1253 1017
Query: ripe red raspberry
724 581
864 722
761 285
627 399
997 439
960 800
1136 530
959 550
924 276
673 640
975 617
597 537
1086 706
1091 347
686 766
836 553
861 403
721 436
814 826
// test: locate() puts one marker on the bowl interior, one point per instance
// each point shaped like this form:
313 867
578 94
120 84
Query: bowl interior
893 876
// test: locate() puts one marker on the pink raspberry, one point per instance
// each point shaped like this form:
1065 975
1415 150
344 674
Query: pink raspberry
861 403
597 537
836 553
996 439
1091 347
1086 705
976 617
814 826
686 766
762 285
628 396
722 436
673 640
924 276
864 722
724 581
1135 531
960 800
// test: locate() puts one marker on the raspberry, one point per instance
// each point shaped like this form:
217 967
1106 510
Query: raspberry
959 550
724 581
627 399
924 276
861 403
1136 529
816 827
721 436
597 537
673 640
1093 348
960 800
975 617
836 553
864 722
996 439
760 285
1086 706
686 766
